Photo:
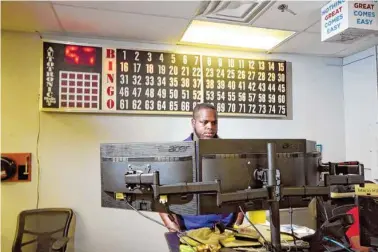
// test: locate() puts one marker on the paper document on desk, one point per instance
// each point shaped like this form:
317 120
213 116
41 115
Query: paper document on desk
264 230
299 231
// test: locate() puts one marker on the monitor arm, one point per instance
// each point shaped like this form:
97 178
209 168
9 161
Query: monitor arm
139 182
343 173
334 174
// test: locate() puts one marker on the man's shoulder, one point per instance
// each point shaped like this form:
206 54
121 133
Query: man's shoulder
189 138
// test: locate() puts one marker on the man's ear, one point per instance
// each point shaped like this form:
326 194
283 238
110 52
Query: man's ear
193 122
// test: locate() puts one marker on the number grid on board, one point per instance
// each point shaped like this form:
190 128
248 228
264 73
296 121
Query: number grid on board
161 82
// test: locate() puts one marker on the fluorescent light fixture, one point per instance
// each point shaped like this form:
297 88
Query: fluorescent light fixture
235 36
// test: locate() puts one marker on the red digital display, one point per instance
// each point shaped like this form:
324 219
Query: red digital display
80 55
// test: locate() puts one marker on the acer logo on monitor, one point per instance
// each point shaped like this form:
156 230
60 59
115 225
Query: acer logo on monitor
177 148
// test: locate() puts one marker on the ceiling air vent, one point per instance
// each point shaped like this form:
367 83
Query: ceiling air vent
239 12
351 36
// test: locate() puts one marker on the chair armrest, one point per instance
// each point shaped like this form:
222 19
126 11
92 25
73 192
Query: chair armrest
60 243
337 225
345 217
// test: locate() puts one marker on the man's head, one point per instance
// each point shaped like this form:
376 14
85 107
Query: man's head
205 121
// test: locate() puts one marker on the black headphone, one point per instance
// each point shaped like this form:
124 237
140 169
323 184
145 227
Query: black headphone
8 168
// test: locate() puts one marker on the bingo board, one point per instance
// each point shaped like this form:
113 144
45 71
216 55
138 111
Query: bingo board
85 78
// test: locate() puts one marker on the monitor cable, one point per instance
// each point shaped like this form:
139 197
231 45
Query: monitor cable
170 215
325 238
37 157
147 217
291 224
250 222
180 234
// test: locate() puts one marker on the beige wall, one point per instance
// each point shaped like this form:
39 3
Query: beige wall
20 60
69 143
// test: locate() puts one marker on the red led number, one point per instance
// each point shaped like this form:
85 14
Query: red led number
80 55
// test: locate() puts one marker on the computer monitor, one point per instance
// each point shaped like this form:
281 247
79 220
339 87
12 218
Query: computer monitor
175 162
367 211
236 163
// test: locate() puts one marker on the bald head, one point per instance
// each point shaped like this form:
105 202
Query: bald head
203 106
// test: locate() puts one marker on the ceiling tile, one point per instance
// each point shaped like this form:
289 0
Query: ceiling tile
109 24
307 13
310 43
315 27
358 46
28 17
179 9
150 25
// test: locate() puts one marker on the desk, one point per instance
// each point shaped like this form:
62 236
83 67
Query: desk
173 242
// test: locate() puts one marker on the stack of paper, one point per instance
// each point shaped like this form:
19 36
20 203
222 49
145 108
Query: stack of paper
299 231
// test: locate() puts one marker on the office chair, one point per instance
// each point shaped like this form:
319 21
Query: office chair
42 230
342 209
330 235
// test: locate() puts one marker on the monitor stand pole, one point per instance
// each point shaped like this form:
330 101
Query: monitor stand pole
274 207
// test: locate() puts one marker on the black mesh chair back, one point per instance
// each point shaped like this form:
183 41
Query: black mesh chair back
324 210
42 230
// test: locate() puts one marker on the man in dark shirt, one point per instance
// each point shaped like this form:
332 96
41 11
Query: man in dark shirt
205 126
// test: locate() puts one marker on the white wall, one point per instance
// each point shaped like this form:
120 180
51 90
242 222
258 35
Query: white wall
361 109
69 143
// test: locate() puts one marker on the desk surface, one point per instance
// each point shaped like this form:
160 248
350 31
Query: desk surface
173 242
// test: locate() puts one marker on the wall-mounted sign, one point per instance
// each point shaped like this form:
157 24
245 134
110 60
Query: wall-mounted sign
345 21
16 167
78 78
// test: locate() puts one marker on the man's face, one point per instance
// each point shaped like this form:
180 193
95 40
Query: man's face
205 125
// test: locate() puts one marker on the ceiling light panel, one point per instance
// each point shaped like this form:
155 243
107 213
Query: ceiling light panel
204 33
